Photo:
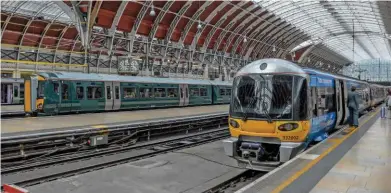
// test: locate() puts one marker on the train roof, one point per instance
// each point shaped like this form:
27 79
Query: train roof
119 78
322 73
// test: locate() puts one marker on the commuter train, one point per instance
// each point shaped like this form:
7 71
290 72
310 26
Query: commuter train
279 108
12 91
50 93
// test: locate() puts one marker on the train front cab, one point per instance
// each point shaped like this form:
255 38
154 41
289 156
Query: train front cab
33 91
268 118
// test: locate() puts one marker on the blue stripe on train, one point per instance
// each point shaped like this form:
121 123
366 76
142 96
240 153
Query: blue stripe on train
320 126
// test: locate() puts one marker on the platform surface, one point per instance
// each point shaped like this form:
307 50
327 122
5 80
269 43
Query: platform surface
11 108
99 119
168 173
366 168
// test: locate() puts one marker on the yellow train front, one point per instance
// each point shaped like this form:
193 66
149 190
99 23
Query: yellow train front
278 108
269 114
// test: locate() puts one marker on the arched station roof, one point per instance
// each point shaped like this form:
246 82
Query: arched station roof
218 33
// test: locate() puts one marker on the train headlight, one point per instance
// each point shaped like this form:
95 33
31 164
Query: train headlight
233 123
288 126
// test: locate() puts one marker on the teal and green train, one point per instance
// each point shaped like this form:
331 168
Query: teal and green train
50 93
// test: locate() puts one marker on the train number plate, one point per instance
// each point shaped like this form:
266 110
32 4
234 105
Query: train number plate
291 138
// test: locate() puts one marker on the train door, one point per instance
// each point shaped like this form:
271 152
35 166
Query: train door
339 99
109 96
66 97
6 93
186 94
16 93
117 96
344 89
181 95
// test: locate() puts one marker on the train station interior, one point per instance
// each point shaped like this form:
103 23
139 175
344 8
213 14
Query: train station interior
258 96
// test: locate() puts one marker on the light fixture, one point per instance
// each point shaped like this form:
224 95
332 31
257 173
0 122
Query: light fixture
274 48
199 26
152 12
245 39
309 59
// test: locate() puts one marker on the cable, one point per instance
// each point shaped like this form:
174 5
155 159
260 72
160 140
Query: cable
192 154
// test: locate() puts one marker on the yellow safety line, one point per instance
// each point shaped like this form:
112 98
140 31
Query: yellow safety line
42 63
36 48
320 157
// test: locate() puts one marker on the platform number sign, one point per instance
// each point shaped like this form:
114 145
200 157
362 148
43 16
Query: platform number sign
127 65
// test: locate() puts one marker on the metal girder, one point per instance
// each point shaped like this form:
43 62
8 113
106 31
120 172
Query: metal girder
20 4
208 20
189 25
44 34
59 40
137 23
158 19
246 29
114 25
263 48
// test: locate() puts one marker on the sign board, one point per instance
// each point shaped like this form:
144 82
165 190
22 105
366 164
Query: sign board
128 65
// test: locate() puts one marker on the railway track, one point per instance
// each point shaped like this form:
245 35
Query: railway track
30 146
30 174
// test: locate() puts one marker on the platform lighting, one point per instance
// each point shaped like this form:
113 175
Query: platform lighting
199 26
274 48
309 59
245 39
152 12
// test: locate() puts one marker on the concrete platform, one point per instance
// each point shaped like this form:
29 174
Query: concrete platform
187 171
302 173
366 168
99 120
10 110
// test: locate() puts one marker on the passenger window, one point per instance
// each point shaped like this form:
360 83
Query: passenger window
160 92
117 92
80 92
203 92
172 92
194 92
64 93
222 92
108 92
94 92
228 92
303 101
146 93
15 91
55 87
181 93
129 93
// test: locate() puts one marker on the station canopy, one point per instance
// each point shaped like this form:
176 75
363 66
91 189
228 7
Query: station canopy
194 33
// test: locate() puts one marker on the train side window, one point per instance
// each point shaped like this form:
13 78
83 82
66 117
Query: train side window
172 92
160 92
116 92
228 92
64 93
129 93
98 93
15 91
203 92
146 93
108 92
80 92
55 87
94 92
187 93
303 101
222 92
194 92
314 97
181 92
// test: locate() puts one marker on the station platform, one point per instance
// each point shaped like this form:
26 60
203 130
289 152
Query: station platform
11 110
366 167
192 170
18 126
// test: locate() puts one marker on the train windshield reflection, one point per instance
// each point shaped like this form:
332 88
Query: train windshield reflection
258 96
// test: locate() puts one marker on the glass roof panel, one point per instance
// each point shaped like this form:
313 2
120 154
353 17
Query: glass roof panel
47 10
333 21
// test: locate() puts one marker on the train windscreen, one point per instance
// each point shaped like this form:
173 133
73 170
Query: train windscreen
257 96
